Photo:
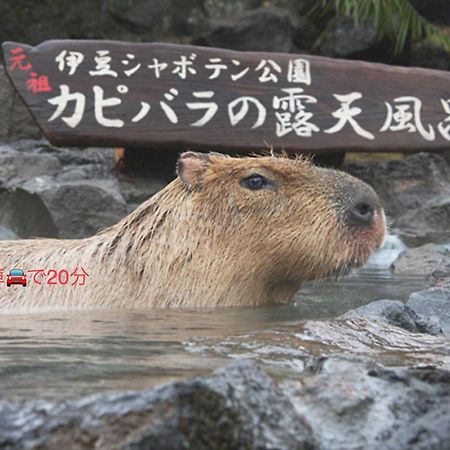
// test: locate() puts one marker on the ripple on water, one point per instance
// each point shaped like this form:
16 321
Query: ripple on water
67 354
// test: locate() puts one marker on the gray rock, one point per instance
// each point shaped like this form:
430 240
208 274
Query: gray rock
264 29
416 187
38 22
396 313
431 223
229 9
70 193
357 405
15 166
6 234
237 407
339 403
147 20
136 21
23 214
425 260
149 14
344 39
152 17
75 156
97 162
16 121
433 303
79 208
72 174
350 39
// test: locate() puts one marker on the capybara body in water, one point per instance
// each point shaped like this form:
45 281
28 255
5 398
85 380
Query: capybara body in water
226 232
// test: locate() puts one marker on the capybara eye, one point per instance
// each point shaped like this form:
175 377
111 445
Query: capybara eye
362 213
254 182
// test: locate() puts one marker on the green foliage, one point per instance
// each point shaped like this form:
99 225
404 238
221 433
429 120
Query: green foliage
395 20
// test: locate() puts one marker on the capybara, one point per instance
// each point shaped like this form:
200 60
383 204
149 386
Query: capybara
226 232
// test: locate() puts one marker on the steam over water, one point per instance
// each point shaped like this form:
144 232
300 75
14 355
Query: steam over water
66 354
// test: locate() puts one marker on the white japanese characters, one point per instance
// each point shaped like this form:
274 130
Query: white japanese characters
405 116
127 62
71 60
239 108
209 107
299 71
291 111
185 66
346 115
100 103
61 102
103 65
157 67
269 71
444 126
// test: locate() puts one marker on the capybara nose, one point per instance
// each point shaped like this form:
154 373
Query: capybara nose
362 212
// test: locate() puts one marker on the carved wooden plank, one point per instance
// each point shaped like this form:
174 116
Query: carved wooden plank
155 95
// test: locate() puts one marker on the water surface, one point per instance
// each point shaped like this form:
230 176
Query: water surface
59 355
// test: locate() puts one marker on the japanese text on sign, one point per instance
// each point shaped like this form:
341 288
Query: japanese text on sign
291 111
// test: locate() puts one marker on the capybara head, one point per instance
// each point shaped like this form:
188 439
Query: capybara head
288 220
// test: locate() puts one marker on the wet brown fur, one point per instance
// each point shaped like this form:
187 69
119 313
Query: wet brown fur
207 241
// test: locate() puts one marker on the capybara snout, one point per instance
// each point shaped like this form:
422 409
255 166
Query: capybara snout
360 213
226 232
355 200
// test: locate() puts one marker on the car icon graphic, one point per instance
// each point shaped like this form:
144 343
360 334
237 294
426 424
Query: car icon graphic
16 276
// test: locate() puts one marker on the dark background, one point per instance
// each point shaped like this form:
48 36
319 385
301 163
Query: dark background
259 25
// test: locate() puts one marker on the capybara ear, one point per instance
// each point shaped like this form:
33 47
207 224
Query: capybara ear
191 166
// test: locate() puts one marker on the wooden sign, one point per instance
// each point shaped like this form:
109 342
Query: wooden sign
154 95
